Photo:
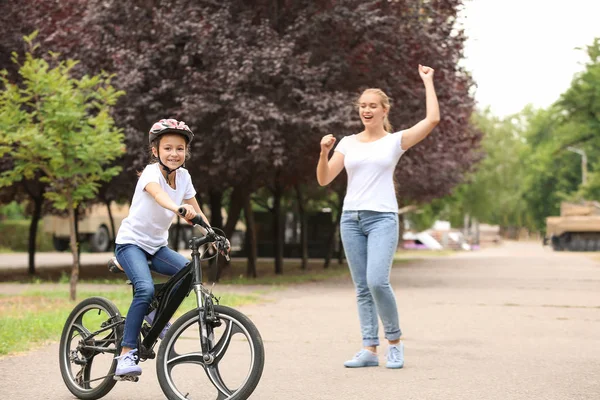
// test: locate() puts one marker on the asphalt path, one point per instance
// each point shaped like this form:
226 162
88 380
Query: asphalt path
512 322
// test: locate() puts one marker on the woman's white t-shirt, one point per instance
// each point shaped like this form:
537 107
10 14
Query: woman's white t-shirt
147 224
370 168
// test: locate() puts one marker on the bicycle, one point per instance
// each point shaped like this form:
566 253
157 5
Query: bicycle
93 332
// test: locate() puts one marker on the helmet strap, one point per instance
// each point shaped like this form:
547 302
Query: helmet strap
167 169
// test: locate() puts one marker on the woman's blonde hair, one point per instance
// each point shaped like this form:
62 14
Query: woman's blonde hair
385 103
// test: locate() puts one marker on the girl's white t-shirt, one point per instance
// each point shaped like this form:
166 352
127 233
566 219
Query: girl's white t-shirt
370 168
147 224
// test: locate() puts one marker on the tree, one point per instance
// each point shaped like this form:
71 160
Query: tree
573 121
260 86
59 126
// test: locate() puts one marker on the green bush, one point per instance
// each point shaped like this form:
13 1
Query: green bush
12 210
14 235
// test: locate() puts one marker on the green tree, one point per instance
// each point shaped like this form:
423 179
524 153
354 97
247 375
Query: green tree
494 191
59 126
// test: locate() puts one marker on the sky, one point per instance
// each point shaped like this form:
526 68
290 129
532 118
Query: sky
524 51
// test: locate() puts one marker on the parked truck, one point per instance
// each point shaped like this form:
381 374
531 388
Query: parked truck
576 229
95 228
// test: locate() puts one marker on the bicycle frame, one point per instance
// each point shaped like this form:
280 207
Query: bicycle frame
171 294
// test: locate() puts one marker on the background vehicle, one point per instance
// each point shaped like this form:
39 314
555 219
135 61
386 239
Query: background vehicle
95 228
576 229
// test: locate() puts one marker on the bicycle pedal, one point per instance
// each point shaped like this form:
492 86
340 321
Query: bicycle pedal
127 378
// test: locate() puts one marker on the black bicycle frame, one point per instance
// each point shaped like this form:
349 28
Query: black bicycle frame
171 294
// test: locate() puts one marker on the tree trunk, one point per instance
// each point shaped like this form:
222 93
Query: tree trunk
250 238
335 234
215 202
77 232
278 224
177 234
33 228
331 240
236 204
215 199
112 223
401 231
303 228
74 250
341 253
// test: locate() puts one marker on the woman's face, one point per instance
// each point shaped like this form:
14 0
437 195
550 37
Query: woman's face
371 110
171 150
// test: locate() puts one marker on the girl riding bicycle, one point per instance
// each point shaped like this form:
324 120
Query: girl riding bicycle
163 187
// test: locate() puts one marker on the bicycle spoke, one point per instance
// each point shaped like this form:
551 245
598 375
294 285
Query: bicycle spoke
191 358
80 329
221 347
213 374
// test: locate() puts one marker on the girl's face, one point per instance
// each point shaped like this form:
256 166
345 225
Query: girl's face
371 110
171 149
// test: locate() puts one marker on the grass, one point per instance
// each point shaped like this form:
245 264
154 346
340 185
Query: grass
233 274
36 317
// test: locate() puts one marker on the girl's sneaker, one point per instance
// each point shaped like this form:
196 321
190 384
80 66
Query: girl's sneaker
363 358
150 318
127 364
395 356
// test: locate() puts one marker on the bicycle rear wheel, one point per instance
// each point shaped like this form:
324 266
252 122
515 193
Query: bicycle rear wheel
236 348
90 340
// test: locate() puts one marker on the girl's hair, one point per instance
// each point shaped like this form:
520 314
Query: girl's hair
385 102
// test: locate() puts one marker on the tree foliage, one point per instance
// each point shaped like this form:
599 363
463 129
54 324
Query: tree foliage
261 82
60 127
532 159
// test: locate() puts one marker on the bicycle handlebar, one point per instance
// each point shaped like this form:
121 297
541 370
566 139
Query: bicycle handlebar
221 242
197 220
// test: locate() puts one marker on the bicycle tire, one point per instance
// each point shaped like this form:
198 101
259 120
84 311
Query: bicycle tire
234 321
80 382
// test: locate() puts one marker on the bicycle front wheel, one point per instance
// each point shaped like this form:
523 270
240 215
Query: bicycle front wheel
236 362
90 340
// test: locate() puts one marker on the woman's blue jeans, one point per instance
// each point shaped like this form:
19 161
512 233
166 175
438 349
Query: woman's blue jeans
370 239
134 261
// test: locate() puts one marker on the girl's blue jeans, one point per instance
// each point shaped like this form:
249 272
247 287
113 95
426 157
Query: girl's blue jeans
134 261
370 239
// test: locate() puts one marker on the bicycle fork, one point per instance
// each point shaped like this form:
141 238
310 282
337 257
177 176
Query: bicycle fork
206 317
206 320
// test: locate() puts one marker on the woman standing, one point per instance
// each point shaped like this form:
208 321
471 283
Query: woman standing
369 223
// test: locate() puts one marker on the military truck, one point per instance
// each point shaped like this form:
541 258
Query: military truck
576 229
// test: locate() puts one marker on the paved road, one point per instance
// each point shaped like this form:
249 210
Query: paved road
514 322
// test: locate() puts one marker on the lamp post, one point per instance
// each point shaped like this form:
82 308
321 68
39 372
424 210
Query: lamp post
583 162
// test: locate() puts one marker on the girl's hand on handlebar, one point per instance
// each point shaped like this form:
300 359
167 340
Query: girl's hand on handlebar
190 213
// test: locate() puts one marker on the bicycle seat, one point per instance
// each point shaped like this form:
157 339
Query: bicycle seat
114 266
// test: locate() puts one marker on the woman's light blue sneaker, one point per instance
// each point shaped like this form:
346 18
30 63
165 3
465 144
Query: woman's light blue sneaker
363 358
395 356
127 364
